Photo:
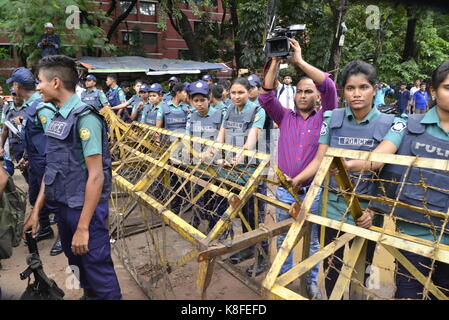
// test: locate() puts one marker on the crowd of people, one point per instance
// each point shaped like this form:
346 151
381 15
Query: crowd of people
58 139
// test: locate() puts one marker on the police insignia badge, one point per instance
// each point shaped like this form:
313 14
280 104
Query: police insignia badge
43 119
398 126
323 129
84 134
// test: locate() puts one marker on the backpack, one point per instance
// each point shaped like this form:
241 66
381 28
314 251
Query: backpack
12 215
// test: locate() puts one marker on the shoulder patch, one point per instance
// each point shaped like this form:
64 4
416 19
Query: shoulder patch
398 126
43 119
324 129
84 134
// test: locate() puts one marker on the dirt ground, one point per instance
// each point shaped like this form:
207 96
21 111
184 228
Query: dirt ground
180 283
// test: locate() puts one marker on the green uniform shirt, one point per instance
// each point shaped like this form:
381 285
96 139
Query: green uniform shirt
220 105
147 108
161 114
121 94
89 128
434 128
45 112
336 205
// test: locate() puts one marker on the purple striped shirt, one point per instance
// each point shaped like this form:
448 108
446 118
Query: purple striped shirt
298 137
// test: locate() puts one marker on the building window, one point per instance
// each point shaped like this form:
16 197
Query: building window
147 8
203 2
124 5
149 39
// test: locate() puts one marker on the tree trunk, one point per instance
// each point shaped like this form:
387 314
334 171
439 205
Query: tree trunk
409 45
339 17
119 19
235 28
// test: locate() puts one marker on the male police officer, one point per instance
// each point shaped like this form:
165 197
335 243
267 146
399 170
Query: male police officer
115 94
49 42
92 96
78 179
38 116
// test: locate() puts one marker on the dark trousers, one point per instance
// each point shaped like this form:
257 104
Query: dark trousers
409 288
96 269
337 257
36 170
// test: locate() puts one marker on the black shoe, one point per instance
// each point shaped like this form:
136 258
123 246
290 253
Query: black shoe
57 247
44 233
88 295
261 267
241 256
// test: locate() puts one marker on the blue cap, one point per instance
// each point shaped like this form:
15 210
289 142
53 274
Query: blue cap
254 80
174 79
91 77
144 88
206 77
199 87
186 86
22 75
155 87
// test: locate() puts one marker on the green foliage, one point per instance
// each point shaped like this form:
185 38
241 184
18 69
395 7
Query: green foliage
252 16
23 22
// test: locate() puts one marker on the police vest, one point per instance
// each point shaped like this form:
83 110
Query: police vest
206 127
151 115
32 134
175 119
237 126
347 135
113 97
11 115
418 143
65 179
92 98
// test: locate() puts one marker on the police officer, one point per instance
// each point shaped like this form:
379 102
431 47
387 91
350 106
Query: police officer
49 42
151 108
133 102
208 79
92 96
116 96
424 135
171 82
78 179
359 126
205 122
12 112
173 115
241 127
216 97
36 120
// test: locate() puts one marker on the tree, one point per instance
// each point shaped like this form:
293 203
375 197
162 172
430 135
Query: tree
23 22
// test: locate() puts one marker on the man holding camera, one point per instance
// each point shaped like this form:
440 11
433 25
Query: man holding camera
298 139
49 42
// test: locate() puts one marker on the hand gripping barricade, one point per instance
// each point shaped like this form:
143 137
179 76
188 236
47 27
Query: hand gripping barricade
160 225
408 189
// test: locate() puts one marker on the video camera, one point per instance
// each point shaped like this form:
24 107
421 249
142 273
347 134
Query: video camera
278 45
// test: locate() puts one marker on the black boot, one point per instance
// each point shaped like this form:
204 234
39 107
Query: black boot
241 256
88 295
261 267
44 233
57 247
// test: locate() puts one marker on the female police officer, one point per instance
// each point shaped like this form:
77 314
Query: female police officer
151 109
425 135
77 179
358 126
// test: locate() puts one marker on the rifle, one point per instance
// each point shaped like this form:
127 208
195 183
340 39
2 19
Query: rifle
42 288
